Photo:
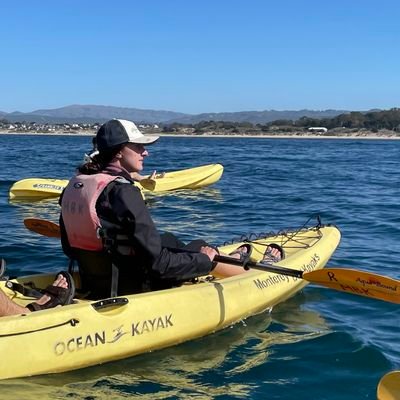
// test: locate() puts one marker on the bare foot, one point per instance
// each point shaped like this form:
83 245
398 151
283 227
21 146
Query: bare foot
241 252
209 251
273 254
276 253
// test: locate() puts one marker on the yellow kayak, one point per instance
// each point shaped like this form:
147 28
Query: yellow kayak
37 188
191 178
41 188
92 332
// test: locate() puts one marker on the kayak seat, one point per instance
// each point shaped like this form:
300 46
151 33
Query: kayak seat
269 257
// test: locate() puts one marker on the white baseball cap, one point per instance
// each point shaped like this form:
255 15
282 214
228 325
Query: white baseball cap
120 131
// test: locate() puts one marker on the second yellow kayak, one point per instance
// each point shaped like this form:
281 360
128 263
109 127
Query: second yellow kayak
191 178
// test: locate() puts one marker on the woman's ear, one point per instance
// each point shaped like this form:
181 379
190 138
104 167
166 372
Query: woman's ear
118 155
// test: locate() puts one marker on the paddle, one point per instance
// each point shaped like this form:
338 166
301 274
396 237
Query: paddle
148 183
342 279
389 386
43 227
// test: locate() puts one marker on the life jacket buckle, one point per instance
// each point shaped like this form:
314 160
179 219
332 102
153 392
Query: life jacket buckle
108 241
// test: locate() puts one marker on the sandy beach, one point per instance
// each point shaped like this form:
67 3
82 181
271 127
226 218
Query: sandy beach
386 135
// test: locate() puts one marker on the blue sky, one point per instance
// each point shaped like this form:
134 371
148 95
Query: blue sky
200 56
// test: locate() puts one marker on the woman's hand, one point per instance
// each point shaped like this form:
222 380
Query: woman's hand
209 251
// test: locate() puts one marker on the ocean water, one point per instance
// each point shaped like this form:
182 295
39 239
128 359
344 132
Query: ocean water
320 344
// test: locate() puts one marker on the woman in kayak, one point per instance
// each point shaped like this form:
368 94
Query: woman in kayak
107 228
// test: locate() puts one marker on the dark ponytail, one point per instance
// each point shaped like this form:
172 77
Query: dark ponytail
99 161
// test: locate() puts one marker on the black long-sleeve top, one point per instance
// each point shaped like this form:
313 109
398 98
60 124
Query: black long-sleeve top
122 203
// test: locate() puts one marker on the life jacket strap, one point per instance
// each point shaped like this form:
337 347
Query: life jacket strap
71 266
24 290
110 244
2 268
114 280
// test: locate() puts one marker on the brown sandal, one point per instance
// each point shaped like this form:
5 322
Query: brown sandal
59 296
269 258
244 250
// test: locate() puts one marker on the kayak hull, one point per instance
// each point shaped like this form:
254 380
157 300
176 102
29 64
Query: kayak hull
191 178
37 188
92 332
41 188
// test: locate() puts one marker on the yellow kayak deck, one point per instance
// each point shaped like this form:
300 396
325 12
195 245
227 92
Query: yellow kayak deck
191 178
92 332
37 188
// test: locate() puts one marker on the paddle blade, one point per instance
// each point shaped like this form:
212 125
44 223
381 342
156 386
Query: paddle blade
357 282
389 386
43 227
148 184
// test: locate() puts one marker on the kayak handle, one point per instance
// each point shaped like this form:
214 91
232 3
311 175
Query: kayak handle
115 301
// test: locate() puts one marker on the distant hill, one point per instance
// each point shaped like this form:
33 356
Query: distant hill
92 113
258 117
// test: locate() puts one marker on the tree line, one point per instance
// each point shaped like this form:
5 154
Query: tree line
373 120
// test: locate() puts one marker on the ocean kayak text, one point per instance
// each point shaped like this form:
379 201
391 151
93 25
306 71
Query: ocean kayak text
102 338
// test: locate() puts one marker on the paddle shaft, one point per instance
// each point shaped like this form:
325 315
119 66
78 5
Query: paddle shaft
260 266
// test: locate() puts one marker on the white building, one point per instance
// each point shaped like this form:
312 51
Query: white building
318 129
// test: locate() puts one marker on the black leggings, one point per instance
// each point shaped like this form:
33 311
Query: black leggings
170 241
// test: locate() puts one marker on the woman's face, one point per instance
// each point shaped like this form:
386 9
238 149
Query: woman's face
132 157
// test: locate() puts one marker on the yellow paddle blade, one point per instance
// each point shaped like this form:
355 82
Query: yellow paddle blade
357 282
148 184
389 386
43 227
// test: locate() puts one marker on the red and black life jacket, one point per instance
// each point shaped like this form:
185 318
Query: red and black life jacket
78 209
94 241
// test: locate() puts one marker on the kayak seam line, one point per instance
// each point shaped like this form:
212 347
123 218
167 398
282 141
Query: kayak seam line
72 322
